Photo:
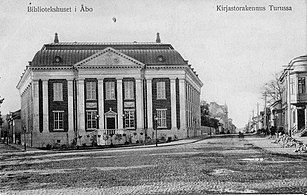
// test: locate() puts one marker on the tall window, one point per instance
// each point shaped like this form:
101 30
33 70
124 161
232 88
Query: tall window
57 91
91 117
110 90
292 86
129 119
161 118
301 85
161 90
58 123
91 90
129 90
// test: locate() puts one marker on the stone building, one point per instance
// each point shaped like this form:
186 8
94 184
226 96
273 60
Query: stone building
108 93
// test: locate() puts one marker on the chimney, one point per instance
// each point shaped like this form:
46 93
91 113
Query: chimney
56 38
158 40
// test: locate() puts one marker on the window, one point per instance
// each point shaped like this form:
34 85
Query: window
161 90
292 86
58 123
301 85
110 90
91 90
161 118
129 90
57 91
91 117
129 119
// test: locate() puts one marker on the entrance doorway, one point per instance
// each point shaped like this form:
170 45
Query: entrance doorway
110 122
300 119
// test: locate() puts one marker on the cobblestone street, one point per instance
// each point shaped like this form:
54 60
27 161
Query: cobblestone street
219 165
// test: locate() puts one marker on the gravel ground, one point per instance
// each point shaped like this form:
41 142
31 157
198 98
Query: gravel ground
227 165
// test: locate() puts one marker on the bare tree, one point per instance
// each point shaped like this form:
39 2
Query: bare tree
273 90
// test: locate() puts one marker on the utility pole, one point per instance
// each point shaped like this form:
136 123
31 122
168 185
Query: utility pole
289 104
257 126
265 122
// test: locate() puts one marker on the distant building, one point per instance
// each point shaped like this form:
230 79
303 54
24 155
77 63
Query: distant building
220 112
108 93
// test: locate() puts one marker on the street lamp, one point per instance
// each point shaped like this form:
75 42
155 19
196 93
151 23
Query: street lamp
24 137
156 128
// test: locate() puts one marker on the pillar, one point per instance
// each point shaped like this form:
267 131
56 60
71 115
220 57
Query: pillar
101 104
70 106
139 104
35 104
120 103
32 140
81 114
182 97
149 104
45 106
173 104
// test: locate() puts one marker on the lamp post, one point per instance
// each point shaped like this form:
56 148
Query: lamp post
24 137
156 128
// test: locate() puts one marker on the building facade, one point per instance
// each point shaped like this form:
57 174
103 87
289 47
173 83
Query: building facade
108 93
295 84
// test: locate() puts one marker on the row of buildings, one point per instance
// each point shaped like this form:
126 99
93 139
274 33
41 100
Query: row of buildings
108 93
288 111
217 116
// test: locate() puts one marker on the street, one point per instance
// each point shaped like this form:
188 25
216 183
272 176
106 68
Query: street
218 165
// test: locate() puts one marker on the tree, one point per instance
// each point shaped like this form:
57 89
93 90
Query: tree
1 121
273 90
204 108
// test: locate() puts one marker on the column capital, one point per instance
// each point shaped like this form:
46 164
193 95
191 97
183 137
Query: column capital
80 79
173 80
149 80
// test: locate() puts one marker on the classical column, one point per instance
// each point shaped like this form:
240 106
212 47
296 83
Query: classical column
173 104
139 104
35 111
149 103
182 97
70 105
80 98
101 104
45 106
120 103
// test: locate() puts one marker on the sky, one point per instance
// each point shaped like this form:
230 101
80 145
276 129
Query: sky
234 53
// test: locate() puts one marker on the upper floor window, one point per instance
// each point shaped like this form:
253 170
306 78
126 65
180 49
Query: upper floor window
57 91
91 90
161 118
129 90
161 90
292 86
58 122
301 85
110 90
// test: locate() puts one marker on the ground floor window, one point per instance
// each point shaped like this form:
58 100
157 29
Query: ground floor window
161 118
91 117
58 120
129 119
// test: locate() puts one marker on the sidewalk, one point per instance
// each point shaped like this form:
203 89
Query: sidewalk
267 144
14 149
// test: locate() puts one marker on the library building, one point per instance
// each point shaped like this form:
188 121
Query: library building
95 93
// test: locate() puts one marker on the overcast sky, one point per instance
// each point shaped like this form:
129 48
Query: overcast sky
234 53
